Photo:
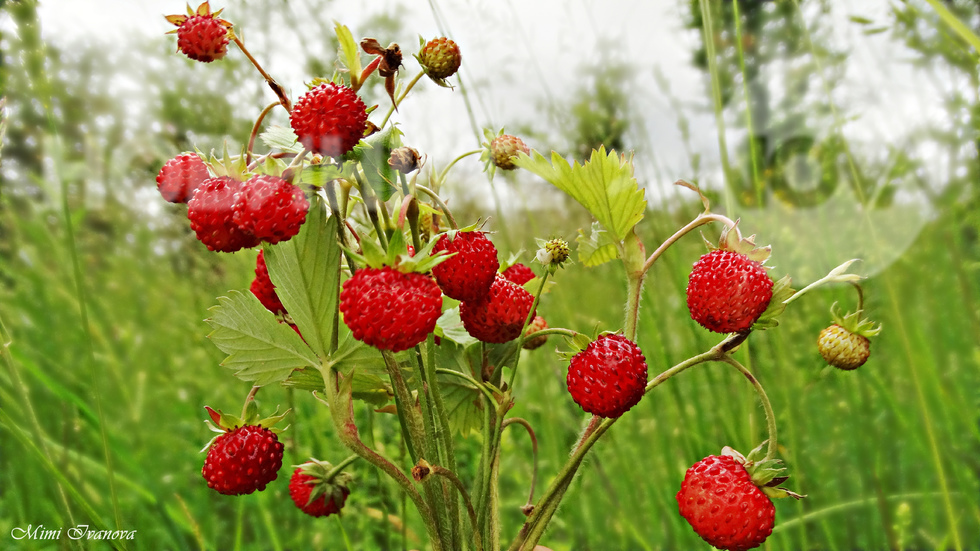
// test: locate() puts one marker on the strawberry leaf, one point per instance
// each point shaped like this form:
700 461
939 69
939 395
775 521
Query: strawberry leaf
604 185
449 326
351 53
259 348
306 272
282 138
464 405
596 248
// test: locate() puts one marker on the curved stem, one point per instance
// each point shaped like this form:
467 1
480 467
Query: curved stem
557 331
276 88
442 175
255 130
770 416
451 476
527 322
401 98
701 220
534 452
479 386
341 466
860 293
439 203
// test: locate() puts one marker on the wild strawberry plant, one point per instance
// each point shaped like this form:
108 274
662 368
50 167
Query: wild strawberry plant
367 292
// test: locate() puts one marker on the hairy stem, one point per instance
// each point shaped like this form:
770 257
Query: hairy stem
701 220
534 452
276 88
439 203
770 416
451 476
255 130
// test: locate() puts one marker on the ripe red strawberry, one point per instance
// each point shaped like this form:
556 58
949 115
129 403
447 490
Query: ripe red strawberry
180 176
201 35
608 377
329 119
243 460
504 148
724 506
468 274
263 289
271 208
316 495
530 341
211 212
727 291
498 316
518 273
388 309
440 58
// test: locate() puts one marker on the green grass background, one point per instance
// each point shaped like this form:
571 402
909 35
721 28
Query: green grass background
106 369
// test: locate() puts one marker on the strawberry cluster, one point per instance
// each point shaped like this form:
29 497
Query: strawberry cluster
228 215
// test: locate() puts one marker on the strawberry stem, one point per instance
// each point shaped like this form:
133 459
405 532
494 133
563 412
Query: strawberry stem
449 475
534 453
401 98
276 88
700 220
255 131
770 416
439 203
445 171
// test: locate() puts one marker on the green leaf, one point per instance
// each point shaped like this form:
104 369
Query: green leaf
282 138
374 154
449 326
306 273
348 47
321 175
596 248
259 347
464 405
604 185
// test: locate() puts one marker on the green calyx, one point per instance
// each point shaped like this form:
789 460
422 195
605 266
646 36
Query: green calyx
397 257
327 481
767 474
854 322
731 240
225 422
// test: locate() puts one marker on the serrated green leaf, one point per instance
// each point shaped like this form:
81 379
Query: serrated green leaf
348 47
374 158
365 368
306 273
259 347
463 402
604 185
596 248
449 326
282 138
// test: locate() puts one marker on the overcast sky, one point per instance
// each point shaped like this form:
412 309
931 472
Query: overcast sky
520 53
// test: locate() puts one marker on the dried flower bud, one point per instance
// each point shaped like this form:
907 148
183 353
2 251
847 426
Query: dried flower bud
404 159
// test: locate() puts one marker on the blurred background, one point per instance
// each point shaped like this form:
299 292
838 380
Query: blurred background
834 130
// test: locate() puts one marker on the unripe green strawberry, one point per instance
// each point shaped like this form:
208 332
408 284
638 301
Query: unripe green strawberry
843 349
724 506
440 58
504 149
608 377
201 35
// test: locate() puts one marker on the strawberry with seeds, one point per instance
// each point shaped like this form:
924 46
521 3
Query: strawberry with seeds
180 176
211 212
201 34
845 344
608 377
468 274
329 119
498 316
271 208
729 289
318 488
247 454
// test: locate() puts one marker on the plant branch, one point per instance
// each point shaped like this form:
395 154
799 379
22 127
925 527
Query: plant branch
451 476
770 416
534 452
700 220
255 130
439 203
276 88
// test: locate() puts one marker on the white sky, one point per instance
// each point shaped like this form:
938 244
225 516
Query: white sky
522 52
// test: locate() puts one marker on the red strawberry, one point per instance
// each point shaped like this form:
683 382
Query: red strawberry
388 309
314 494
498 316
180 176
724 506
727 291
271 208
329 119
468 274
243 460
201 35
608 377
440 58
519 274
211 212
530 341
263 289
